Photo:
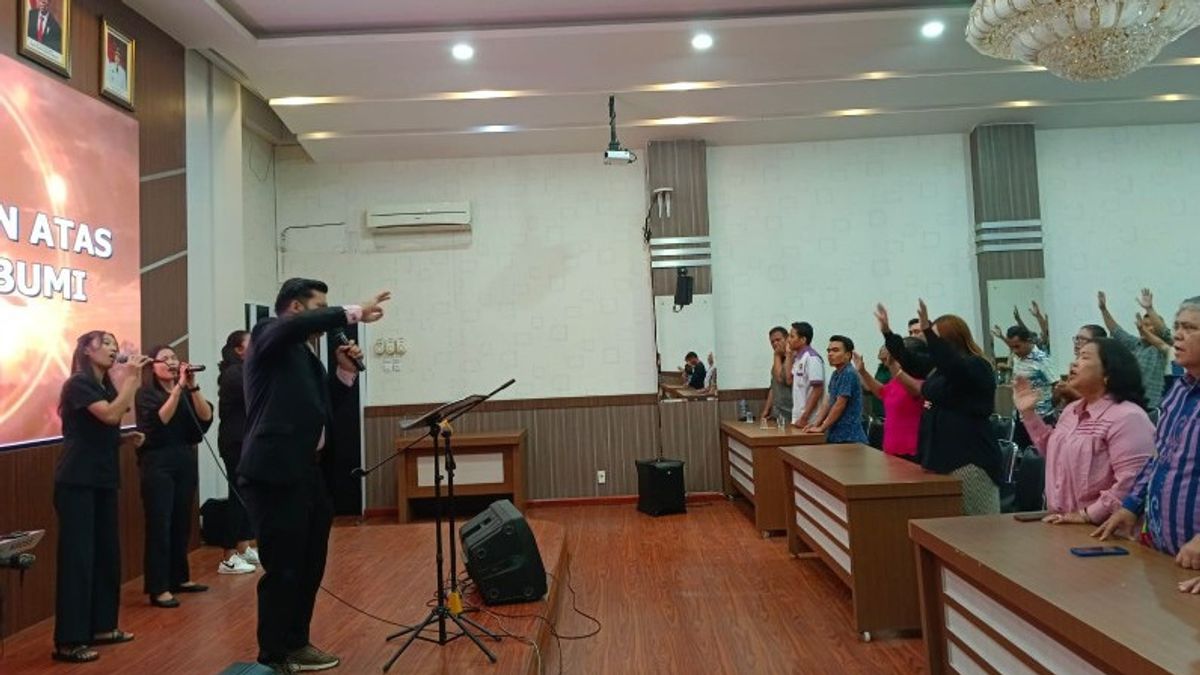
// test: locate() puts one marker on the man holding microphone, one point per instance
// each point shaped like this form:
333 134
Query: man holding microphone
290 400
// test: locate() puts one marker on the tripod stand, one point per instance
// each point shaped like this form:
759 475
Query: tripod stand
449 603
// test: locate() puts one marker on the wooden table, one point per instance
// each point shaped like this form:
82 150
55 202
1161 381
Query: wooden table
1002 596
752 466
491 463
683 391
850 505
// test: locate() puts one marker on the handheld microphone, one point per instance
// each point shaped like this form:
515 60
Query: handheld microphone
193 369
339 336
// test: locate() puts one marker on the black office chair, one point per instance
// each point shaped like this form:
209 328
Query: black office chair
1029 480
1008 488
875 433
1155 414
1002 427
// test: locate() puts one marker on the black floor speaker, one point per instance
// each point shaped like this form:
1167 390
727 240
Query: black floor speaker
660 486
502 557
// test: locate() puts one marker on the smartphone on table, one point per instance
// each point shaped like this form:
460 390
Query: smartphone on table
1098 551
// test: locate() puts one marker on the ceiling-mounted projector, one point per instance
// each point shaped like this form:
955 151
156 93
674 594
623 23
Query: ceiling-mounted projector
619 156
615 154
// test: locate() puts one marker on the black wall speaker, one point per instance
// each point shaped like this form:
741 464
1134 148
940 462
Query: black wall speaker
683 288
502 557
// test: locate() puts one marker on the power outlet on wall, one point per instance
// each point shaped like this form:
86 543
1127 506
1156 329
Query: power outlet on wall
601 477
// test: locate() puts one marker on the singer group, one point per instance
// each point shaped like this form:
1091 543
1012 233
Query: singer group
276 403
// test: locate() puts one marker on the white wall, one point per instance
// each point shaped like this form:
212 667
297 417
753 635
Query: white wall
258 208
551 287
820 232
1118 214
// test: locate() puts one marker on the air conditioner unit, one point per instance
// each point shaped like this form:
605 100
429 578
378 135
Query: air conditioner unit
417 218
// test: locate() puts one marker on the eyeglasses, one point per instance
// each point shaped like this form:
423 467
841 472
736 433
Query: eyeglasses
1079 339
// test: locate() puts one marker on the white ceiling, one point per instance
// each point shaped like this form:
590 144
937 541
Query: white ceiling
779 71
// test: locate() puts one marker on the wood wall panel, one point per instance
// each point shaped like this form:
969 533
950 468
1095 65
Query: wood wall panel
164 303
164 218
27 503
27 476
663 280
567 445
1004 173
682 165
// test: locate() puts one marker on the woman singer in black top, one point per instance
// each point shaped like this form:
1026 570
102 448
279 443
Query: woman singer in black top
173 416
94 399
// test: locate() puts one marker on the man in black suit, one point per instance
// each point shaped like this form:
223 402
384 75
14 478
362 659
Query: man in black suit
289 407
44 27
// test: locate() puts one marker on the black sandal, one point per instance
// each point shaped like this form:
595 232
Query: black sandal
190 588
112 637
75 654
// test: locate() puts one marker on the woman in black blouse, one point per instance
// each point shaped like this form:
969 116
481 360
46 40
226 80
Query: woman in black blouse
960 397
94 399
173 416
241 557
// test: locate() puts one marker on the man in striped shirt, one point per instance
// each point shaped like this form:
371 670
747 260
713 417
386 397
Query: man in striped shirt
1165 492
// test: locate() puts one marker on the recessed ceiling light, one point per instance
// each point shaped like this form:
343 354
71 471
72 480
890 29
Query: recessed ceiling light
318 135
681 121
309 100
496 128
463 51
1172 98
856 112
878 75
1020 104
482 94
1184 61
933 29
681 86
701 41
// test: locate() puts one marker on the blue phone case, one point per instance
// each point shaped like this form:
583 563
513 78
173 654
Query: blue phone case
1098 551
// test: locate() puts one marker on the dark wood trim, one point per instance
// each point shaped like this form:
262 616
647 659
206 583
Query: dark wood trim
520 404
692 498
740 394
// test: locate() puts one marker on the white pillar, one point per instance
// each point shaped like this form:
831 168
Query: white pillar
216 275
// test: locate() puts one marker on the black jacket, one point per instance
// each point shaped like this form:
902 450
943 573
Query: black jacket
231 397
961 396
174 441
52 38
289 397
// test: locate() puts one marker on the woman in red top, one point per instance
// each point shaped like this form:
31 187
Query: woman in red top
902 402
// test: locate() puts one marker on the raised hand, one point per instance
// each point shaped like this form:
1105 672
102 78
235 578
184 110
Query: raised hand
881 315
997 332
131 369
1146 300
371 309
922 314
1017 315
1036 310
1102 300
858 361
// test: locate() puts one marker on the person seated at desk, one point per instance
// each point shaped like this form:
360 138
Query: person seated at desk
1165 492
1101 441
841 413
695 371
901 397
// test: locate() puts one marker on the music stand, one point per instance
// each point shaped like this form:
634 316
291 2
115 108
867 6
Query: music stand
449 605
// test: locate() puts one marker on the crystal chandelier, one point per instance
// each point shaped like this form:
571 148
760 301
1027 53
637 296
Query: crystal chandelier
1080 39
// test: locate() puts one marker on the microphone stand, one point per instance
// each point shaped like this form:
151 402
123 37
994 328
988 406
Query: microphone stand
449 604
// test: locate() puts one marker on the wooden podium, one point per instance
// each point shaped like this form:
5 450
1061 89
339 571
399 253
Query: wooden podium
490 463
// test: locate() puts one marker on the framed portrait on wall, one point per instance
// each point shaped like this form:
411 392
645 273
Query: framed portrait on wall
118 59
46 33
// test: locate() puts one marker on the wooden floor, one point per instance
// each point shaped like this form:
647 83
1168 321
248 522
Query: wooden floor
694 593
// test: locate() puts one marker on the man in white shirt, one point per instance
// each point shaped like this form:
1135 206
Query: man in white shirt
806 375
116 78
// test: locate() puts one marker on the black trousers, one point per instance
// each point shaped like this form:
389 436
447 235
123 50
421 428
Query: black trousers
292 523
169 478
89 563
237 521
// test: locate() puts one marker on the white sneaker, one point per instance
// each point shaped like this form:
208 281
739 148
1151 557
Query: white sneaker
235 565
250 555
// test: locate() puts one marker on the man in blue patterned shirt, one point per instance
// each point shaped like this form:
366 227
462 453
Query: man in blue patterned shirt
1165 493
840 416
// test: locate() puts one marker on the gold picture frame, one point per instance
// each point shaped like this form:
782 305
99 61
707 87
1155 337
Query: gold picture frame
118 66
45 33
